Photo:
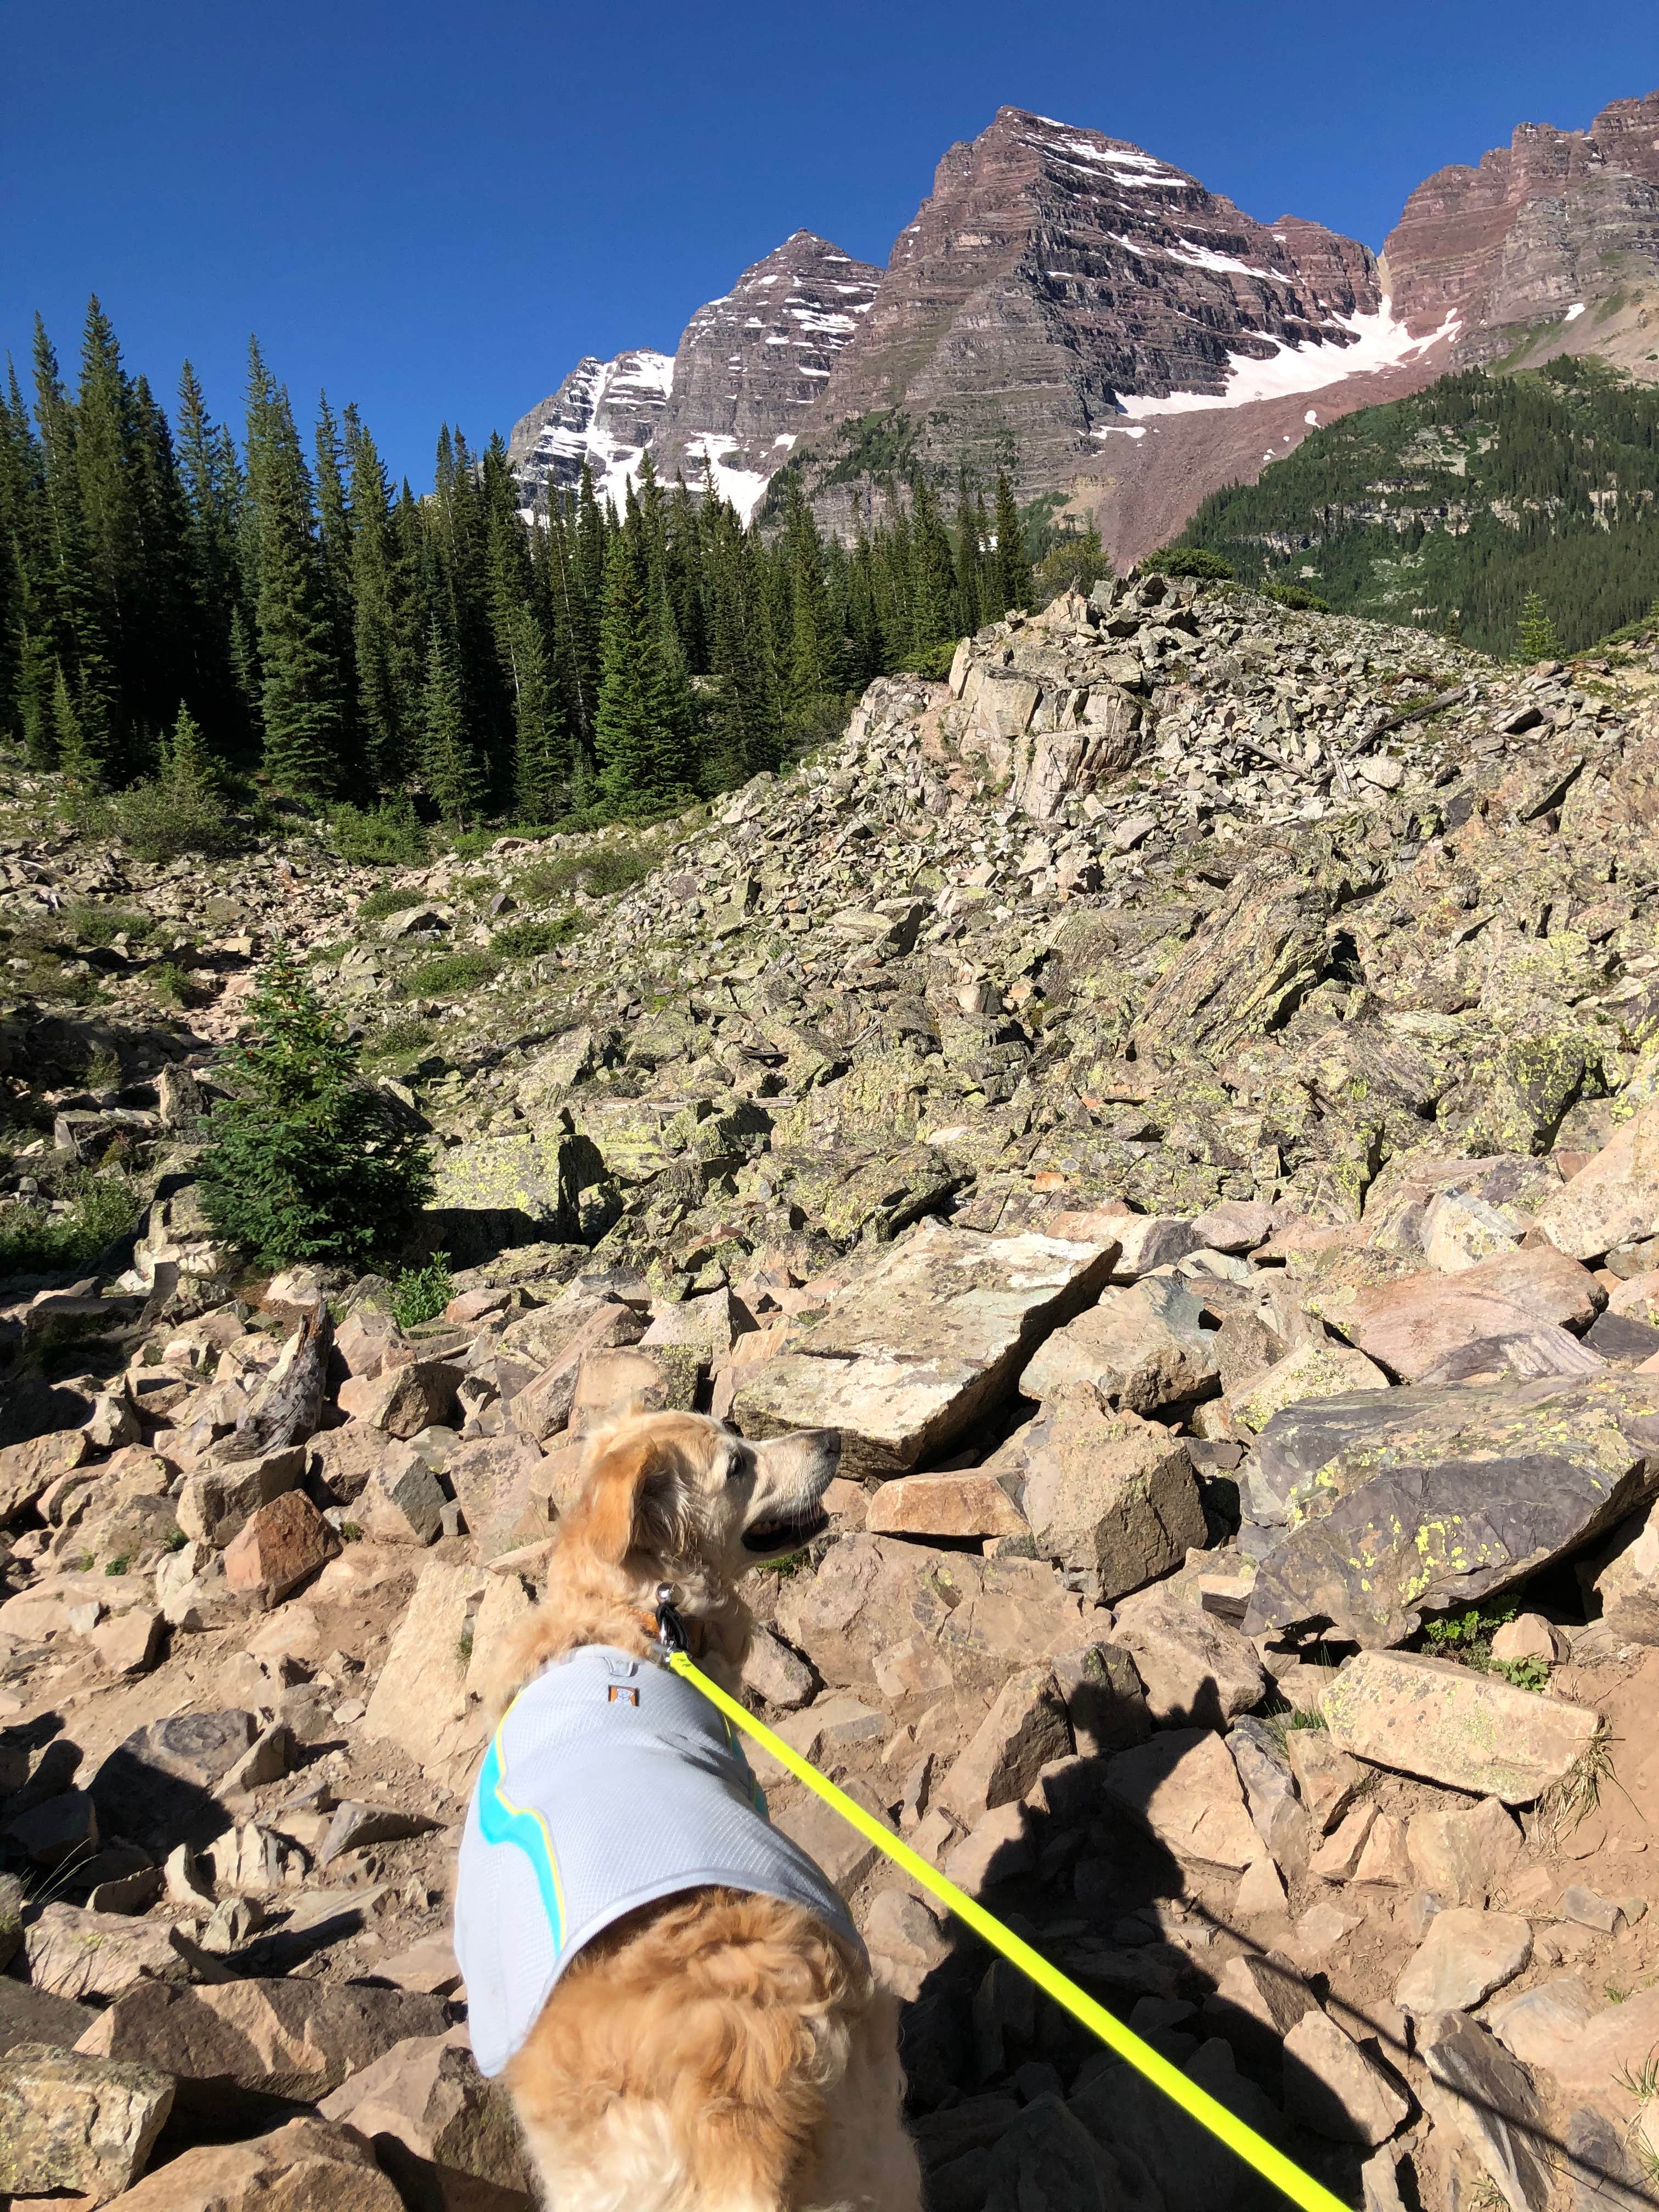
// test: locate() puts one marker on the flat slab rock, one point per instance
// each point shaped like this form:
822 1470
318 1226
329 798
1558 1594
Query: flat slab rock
911 1353
877 1598
1182 1785
1368 1509
1411 1325
307 2165
298 2039
1446 1723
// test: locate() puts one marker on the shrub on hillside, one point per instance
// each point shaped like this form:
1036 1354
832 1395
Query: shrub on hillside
526 941
389 835
35 1242
305 1162
448 976
186 808
1298 598
1190 560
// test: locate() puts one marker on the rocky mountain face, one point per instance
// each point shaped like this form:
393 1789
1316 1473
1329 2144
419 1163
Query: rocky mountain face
1058 285
729 401
602 417
1550 243
1068 306
752 367
1181 1098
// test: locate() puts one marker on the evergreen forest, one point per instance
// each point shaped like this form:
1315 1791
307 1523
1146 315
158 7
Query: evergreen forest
1450 508
181 601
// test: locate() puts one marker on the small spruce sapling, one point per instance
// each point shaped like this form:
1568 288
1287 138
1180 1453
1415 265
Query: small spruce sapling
306 1162
1536 637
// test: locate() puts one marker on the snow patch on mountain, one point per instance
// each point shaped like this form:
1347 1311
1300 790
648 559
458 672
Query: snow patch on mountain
1375 342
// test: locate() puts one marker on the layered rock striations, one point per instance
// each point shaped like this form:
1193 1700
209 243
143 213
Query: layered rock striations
1055 274
603 416
751 366
727 405
1541 235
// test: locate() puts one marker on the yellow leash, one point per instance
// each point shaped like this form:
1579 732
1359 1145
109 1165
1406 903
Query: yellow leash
1256 2150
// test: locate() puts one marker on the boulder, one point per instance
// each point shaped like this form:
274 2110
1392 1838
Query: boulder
1446 1723
1489 2099
1463 1852
1327 1779
1614 1197
944 1505
1144 1348
419 1701
542 1406
1333 2088
213 1504
1410 1325
979 1619
236 2039
425 2103
1108 1492
68 2122
1465 1956
304 2167
79 1954
159 1783
402 1401
1374 1508
919 1346
278 1547
1184 1788
781 1676
1623 1582
1313 1369
1024 1728
1194 1666
1280 1817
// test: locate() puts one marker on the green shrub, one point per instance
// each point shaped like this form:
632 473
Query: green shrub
39 1243
934 661
525 940
159 820
170 984
422 1293
306 1162
405 1035
1190 560
102 925
1294 596
448 976
389 835
391 898
601 873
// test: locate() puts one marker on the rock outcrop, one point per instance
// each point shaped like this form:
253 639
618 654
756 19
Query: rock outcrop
1549 244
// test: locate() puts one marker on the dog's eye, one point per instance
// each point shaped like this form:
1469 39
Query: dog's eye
734 1470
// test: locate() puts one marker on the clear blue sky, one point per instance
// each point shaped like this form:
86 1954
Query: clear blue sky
436 211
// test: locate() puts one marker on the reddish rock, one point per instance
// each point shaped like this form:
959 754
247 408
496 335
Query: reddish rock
1411 1325
944 1505
402 1401
279 1545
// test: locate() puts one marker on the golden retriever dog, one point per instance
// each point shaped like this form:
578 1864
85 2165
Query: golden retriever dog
717 2049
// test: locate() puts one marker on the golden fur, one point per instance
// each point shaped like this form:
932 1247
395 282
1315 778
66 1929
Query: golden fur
716 2053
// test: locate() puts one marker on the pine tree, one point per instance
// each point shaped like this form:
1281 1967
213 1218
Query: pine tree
970 531
1536 637
935 618
643 757
1012 570
192 771
305 1161
301 685
454 775
74 749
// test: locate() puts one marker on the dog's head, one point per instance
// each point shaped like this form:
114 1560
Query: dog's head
675 1497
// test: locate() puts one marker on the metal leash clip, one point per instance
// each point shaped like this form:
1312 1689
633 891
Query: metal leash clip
671 1629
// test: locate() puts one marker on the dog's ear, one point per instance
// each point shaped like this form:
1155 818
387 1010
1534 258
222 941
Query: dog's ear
632 1500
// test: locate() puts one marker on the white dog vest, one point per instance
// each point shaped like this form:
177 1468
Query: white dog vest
609 1784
